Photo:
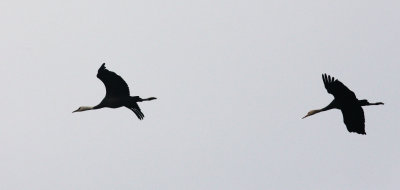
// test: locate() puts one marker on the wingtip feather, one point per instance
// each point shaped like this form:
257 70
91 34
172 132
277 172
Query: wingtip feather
102 66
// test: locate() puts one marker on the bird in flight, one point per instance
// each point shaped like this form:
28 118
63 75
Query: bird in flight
346 101
117 94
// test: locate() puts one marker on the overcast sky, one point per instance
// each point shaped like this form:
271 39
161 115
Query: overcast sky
232 78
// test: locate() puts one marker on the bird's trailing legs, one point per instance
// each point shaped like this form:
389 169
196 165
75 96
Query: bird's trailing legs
139 99
366 103
148 99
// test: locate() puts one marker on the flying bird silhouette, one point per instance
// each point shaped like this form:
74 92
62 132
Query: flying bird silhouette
117 94
346 101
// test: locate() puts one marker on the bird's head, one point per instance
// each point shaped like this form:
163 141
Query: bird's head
83 108
310 113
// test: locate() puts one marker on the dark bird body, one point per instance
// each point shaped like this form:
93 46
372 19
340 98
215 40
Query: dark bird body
346 101
117 94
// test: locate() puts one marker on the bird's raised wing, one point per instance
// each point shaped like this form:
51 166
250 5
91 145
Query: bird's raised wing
338 89
115 85
353 117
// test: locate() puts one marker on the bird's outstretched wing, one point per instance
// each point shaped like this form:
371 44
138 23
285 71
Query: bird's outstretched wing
353 114
115 85
353 117
136 109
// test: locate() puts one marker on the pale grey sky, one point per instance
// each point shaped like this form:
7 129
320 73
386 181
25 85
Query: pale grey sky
233 79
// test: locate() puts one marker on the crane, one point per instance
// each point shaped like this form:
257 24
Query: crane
346 101
117 94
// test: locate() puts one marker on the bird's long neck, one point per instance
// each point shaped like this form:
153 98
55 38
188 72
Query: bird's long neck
328 107
98 106
320 110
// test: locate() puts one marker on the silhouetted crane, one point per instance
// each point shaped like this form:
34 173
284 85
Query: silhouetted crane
346 101
117 94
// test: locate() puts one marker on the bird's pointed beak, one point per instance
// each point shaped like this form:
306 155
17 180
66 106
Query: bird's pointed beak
306 116
310 113
75 110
